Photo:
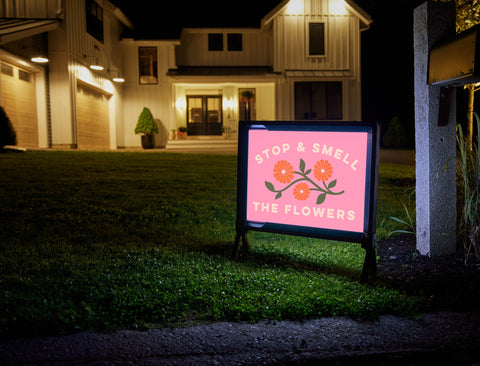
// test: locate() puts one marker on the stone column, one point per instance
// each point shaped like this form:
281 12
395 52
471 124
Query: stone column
434 145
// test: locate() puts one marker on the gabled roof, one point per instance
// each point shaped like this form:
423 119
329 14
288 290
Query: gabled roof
365 19
14 29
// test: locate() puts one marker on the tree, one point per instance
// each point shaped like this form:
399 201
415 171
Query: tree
467 16
468 13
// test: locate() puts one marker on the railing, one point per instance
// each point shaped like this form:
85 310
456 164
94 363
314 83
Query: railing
31 9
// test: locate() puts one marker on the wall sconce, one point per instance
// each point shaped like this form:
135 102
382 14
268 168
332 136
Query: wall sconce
39 59
181 104
116 77
95 65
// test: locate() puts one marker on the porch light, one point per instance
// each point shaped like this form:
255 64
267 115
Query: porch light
96 67
39 59
337 7
294 7
181 103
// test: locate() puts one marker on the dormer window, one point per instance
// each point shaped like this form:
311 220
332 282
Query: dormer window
316 39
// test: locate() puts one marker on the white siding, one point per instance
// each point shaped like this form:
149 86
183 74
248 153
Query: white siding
71 51
193 49
341 61
290 39
156 97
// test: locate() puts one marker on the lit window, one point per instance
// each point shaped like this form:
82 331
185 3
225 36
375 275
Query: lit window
147 65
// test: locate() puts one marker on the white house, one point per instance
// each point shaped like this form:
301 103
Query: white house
302 63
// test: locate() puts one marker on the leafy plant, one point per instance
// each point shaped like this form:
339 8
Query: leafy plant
146 123
408 220
468 168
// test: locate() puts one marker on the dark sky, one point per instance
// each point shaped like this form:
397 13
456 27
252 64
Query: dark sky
387 47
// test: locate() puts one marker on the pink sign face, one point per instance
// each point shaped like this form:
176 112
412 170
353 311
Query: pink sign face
307 178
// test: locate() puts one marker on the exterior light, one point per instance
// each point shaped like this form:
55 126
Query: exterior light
96 67
39 59
118 79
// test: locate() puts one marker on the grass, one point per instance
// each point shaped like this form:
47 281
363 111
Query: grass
133 240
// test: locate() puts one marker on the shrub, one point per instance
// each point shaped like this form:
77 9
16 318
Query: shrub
395 136
468 188
146 123
8 135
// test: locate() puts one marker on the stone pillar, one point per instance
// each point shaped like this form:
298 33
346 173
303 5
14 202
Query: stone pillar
434 145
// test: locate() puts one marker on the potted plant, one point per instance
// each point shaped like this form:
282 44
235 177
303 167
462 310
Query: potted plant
146 124
182 132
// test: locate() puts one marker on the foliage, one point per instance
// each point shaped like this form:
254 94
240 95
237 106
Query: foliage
468 168
408 221
395 136
93 240
8 135
468 13
146 123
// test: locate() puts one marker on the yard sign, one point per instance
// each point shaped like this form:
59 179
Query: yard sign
315 179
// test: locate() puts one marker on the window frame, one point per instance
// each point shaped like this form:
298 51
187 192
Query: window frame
215 39
309 100
309 39
231 42
94 20
153 67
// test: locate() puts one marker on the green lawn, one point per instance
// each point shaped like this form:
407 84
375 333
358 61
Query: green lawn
107 240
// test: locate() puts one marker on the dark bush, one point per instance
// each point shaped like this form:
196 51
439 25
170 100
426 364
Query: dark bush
395 137
8 135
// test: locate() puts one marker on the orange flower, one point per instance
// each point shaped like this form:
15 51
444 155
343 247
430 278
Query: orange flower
283 171
301 191
323 170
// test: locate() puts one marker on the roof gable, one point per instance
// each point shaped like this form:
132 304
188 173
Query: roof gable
350 5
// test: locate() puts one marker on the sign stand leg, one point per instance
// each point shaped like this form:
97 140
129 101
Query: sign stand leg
370 263
240 239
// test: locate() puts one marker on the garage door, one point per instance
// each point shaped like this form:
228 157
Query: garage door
17 91
92 119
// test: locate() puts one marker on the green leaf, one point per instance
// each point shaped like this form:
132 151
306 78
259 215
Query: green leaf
308 171
279 195
332 184
321 198
302 166
269 186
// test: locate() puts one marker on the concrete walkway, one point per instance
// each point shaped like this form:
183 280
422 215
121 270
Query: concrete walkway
431 339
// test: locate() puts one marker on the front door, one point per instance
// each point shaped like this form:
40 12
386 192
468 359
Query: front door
204 115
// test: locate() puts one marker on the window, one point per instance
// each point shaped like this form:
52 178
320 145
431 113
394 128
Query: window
234 41
7 69
204 115
316 38
94 20
318 101
215 42
24 75
147 65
